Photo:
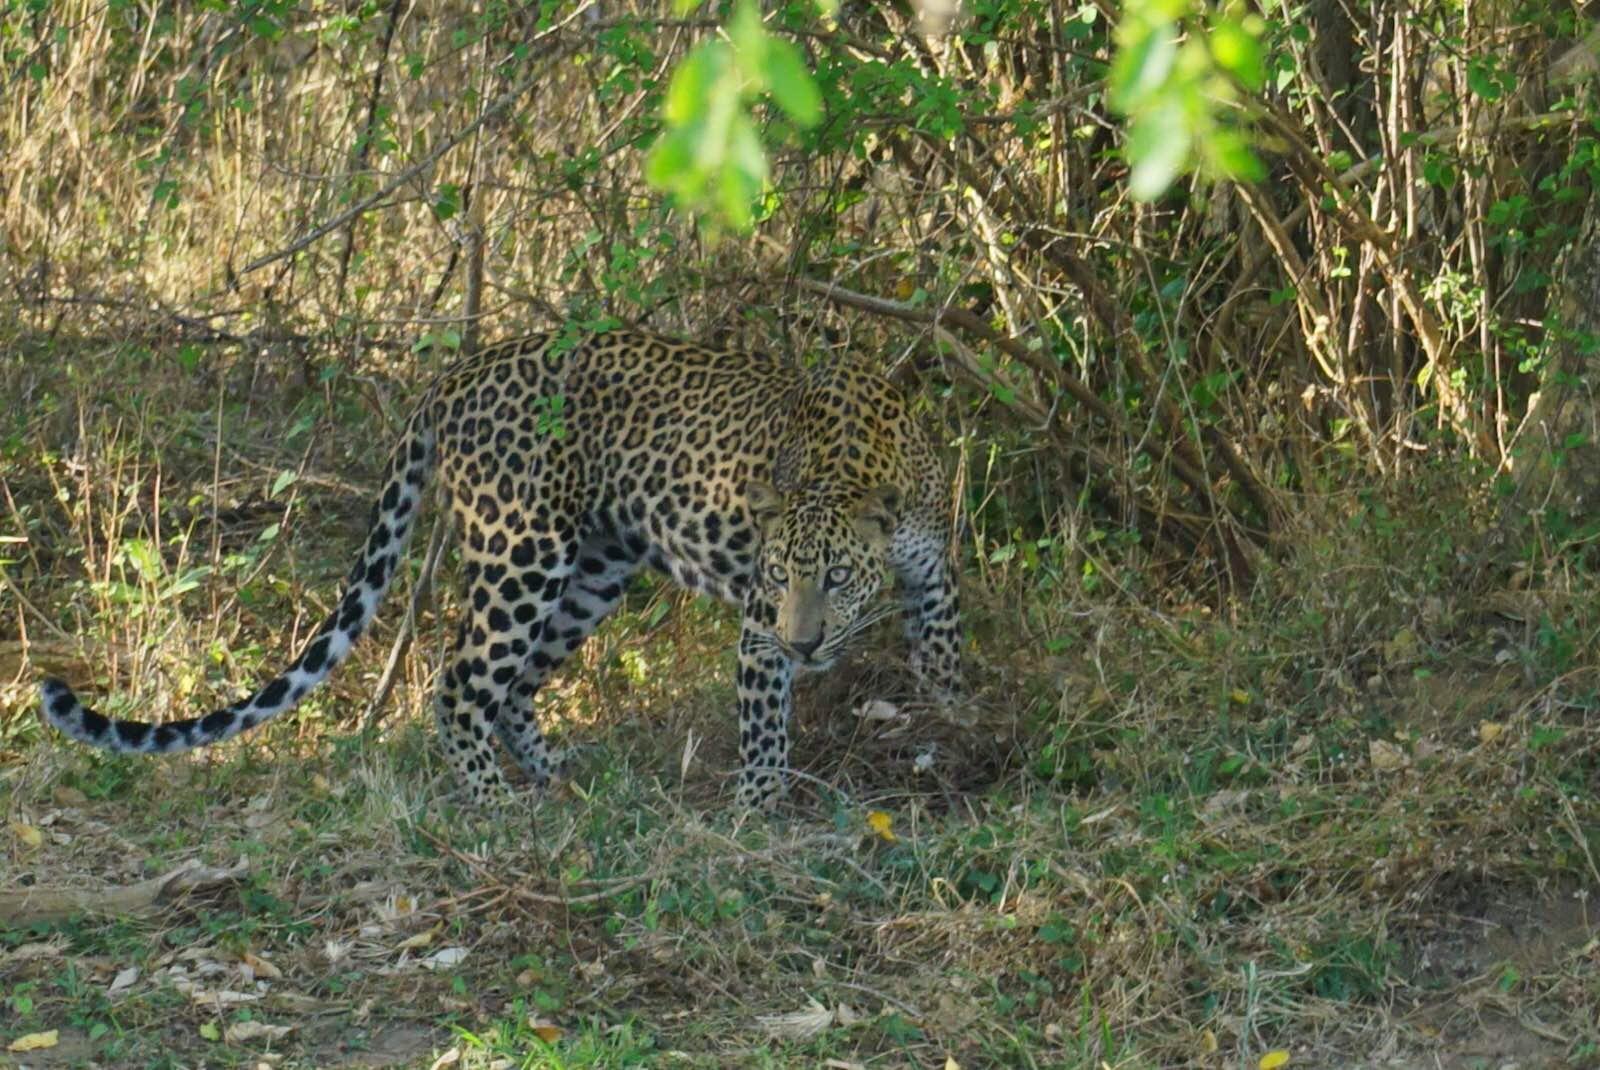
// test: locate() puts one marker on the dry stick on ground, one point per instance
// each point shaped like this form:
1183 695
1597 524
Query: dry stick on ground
604 889
36 904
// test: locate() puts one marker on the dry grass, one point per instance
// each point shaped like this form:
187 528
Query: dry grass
1351 816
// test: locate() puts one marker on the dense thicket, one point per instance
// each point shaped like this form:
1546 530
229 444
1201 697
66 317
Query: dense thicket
306 178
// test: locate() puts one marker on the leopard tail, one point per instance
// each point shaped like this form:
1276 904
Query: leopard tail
394 519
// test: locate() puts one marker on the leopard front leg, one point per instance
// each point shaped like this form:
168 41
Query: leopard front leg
766 695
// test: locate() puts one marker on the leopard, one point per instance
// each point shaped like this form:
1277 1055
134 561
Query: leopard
569 462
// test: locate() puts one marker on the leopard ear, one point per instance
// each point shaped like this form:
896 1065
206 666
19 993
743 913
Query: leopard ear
877 514
764 500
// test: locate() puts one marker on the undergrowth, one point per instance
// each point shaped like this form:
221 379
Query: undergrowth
1161 831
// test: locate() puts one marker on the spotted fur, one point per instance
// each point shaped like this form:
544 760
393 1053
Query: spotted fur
790 493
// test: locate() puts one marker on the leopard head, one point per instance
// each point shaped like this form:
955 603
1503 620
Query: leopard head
824 556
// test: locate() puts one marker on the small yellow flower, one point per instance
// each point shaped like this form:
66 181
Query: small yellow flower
882 824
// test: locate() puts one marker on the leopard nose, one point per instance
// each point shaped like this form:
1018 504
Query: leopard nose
806 647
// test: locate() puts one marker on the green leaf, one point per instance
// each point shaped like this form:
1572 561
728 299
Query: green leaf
791 83
670 161
1230 153
1158 148
1483 79
692 83
750 40
446 201
1142 65
1238 51
285 479
744 149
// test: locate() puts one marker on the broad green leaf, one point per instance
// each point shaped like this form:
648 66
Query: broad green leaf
692 83
744 150
791 84
750 39
1159 142
669 161
1231 154
446 201
734 196
1238 51
1142 65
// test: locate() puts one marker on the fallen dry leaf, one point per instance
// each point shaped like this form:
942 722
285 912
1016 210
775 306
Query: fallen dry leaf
254 1030
1386 758
122 981
35 1041
422 939
27 834
212 997
877 710
445 958
1274 1059
260 967
802 1024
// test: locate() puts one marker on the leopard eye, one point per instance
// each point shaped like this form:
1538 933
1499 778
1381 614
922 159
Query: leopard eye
837 576
778 573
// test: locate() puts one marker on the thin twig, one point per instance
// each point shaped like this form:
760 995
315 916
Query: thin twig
604 889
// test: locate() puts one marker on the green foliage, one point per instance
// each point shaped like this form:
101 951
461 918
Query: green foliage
710 155
596 1044
1182 96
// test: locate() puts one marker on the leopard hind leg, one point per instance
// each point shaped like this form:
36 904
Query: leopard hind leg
596 587
507 608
